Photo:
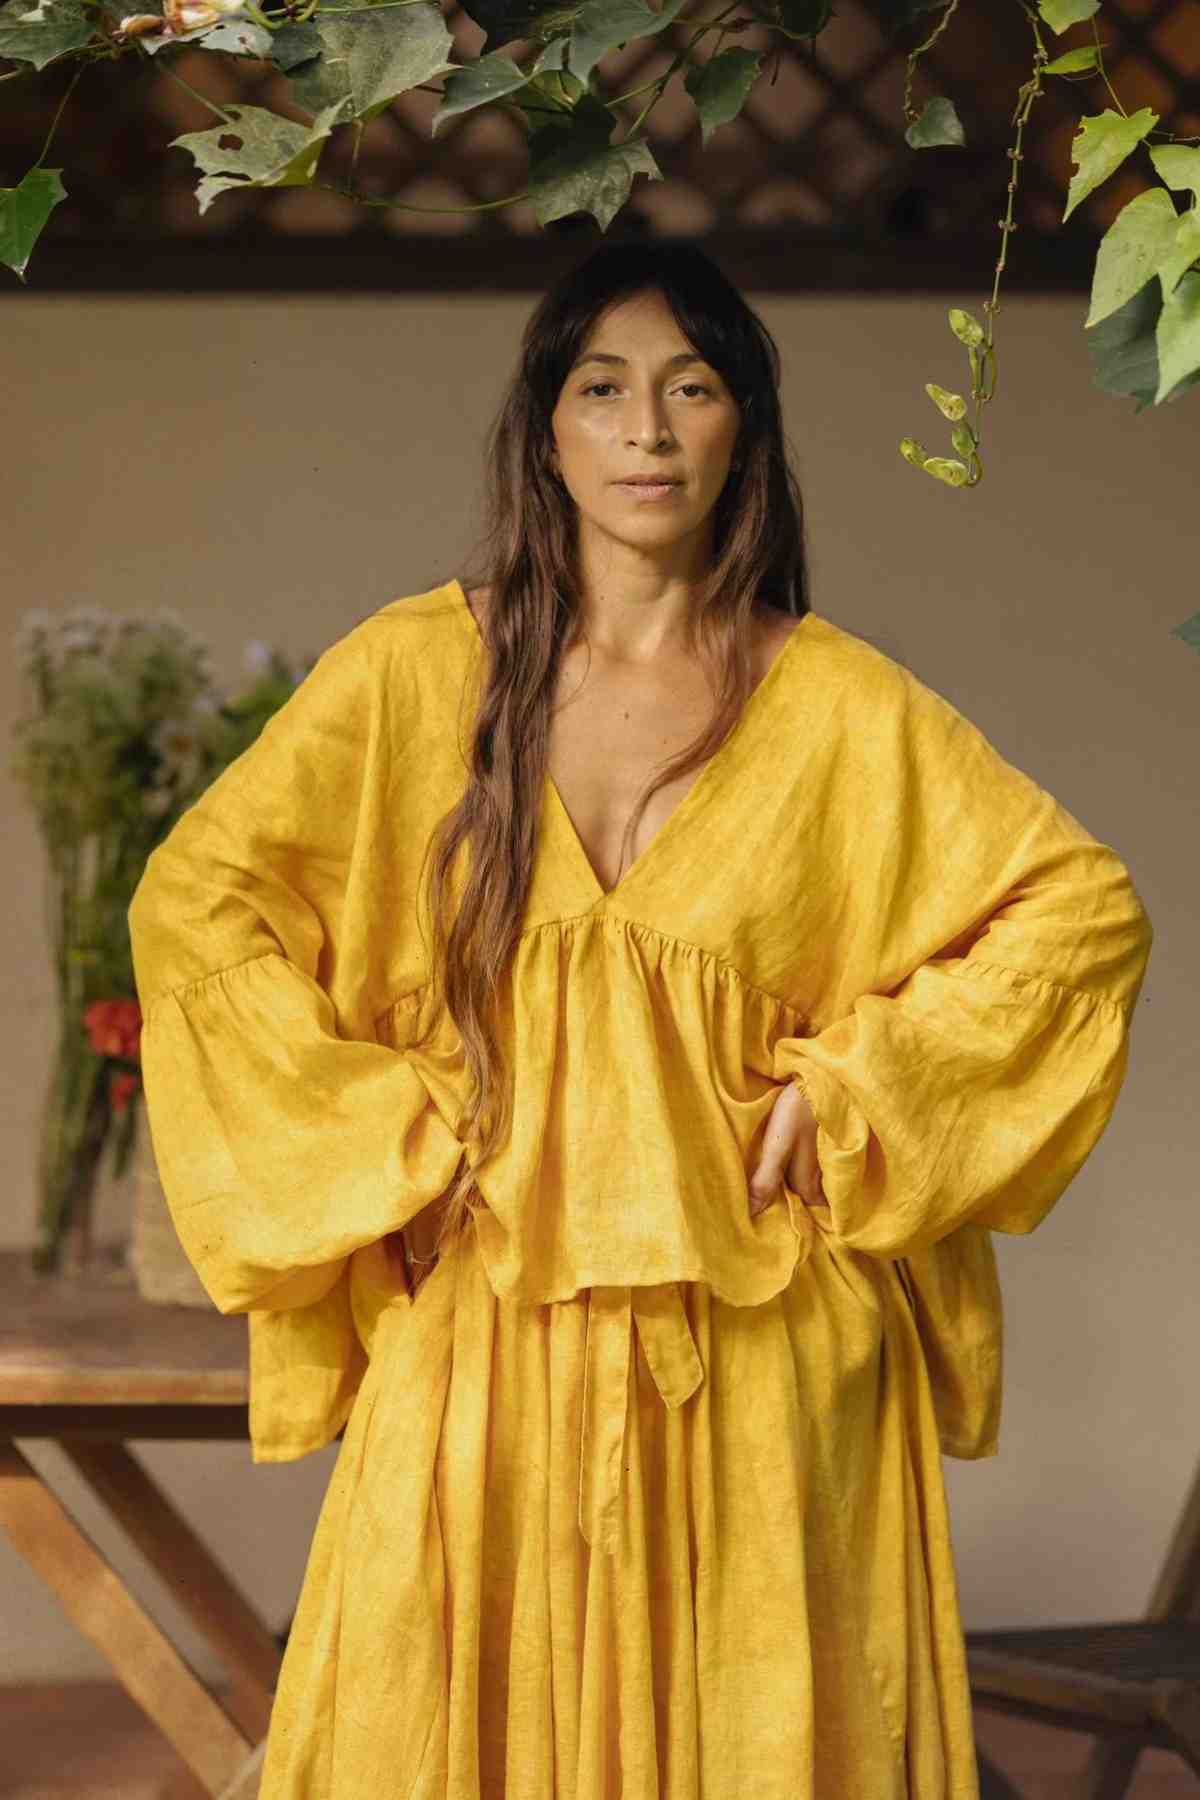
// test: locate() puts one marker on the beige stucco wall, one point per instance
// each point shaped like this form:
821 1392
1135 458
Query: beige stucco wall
276 467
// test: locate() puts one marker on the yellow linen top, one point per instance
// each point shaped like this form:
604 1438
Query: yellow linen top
858 893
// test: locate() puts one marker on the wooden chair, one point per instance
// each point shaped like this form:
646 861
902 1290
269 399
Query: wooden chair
1132 1685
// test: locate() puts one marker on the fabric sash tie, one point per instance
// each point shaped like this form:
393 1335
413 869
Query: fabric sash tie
675 1364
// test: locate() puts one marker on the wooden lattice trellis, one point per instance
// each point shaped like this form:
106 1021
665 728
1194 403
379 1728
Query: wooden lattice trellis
812 186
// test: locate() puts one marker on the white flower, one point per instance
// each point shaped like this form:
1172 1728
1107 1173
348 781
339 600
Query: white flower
193 15
257 656
38 618
84 628
87 614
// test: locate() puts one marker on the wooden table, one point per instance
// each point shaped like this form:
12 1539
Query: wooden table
92 1365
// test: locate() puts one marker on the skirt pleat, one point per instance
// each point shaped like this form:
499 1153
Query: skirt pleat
777 1614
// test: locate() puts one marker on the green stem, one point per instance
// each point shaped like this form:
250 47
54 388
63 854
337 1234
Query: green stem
202 98
58 115
405 206
660 82
908 110
1104 73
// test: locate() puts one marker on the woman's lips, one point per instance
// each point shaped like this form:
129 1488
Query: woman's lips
646 490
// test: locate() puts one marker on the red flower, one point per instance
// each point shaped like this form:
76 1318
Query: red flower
123 1084
114 1027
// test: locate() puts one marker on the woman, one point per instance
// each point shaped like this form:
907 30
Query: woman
700 1102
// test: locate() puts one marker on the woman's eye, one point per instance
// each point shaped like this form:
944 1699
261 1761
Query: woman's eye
687 384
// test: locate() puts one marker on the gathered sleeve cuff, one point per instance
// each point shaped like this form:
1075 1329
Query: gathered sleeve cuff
974 1094
280 1147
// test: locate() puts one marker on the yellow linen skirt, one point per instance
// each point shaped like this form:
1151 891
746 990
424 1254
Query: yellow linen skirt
636 1545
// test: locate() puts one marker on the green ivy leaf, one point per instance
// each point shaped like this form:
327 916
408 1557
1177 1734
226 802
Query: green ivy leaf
1060 15
1184 251
574 168
495 77
938 124
719 87
1071 61
1178 166
524 21
37 34
295 44
802 18
549 94
1124 350
257 149
480 83
1130 251
600 25
1101 145
23 214
239 37
369 58
1177 338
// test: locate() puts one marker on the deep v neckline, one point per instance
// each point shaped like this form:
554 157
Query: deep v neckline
695 795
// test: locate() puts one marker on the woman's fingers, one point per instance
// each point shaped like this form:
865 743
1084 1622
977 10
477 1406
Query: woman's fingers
788 1138
789 1151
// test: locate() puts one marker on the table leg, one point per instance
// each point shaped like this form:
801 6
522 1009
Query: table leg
245 1785
191 1572
101 1606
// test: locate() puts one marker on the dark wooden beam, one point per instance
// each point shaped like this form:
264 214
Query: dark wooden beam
776 261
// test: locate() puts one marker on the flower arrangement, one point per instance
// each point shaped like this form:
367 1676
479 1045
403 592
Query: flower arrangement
124 729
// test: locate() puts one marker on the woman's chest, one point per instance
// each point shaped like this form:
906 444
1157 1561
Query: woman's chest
613 730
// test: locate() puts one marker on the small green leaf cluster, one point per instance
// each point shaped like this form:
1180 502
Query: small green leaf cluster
949 469
1146 289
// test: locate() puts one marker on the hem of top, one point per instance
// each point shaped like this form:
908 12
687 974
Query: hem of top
281 1450
965 1449
796 1254
585 1284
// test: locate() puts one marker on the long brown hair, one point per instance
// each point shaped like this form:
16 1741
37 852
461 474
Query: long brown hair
528 561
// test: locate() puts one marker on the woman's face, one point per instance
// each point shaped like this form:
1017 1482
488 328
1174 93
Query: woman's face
643 410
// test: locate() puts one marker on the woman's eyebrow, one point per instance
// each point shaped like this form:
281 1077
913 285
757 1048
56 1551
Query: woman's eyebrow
607 356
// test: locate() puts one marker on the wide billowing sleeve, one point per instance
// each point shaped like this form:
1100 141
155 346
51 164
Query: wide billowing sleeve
285 1136
983 1052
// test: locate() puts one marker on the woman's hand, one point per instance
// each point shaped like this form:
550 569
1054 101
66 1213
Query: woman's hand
420 1235
789 1150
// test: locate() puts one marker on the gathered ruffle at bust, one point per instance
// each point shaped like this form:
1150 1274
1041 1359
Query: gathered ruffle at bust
643 1078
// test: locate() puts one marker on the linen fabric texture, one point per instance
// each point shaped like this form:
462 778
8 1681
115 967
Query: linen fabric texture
638 1495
